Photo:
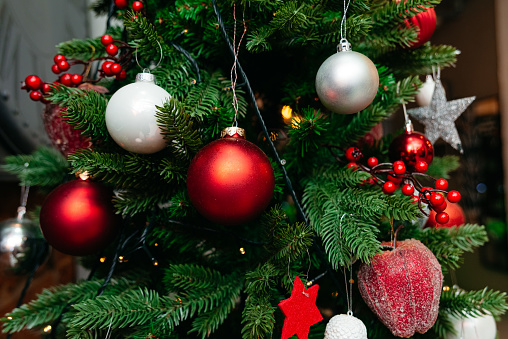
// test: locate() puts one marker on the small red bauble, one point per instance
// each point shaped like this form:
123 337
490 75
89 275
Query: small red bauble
402 287
55 69
137 6
411 147
121 76
436 199
408 189
442 218
112 49
455 214
421 167
353 154
106 67
426 21
33 82
35 95
121 4
399 167
78 218
372 161
389 187
441 184
64 65
352 165
59 57
66 79
106 39
453 196
76 79
230 181
115 68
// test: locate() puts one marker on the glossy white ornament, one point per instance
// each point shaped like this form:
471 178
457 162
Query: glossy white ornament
483 327
424 96
130 115
344 326
347 81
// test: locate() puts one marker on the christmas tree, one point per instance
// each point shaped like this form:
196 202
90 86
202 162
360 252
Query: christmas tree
191 230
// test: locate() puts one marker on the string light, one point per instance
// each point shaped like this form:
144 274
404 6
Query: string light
47 328
155 263
103 259
84 175
242 250
309 283
351 281
10 318
286 112
156 244
446 288
295 122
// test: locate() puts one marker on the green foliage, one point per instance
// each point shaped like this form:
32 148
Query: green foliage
145 38
82 49
44 167
309 133
442 166
459 303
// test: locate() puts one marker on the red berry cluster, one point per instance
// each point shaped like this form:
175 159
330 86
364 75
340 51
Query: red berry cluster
111 68
36 87
61 65
123 4
397 175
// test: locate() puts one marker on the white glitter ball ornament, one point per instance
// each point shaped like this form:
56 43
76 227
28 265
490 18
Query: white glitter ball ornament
424 95
347 81
130 115
483 327
344 326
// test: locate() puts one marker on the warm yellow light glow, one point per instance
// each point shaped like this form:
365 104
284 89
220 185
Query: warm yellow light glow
334 294
47 328
286 112
446 288
10 318
351 281
295 122
84 175
309 283
103 259
155 263
242 250
156 244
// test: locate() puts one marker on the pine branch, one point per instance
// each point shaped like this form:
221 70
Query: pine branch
44 167
440 167
309 133
459 303
82 49
203 97
177 129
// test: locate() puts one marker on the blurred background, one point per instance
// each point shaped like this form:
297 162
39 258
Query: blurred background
29 30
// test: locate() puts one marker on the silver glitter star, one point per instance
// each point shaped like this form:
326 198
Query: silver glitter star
439 117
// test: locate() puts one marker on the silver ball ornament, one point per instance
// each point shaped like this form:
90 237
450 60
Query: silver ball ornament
22 246
131 115
344 326
347 82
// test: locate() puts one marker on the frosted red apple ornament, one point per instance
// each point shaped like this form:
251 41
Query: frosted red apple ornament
402 287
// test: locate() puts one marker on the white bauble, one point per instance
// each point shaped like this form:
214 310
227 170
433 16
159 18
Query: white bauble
347 82
130 115
482 327
344 326
424 96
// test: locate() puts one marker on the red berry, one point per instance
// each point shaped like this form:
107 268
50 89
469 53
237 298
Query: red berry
399 167
441 207
59 57
372 161
65 79
352 165
415 199
55 69
106 39
106 67
35 95
421 167
121 4
408 189
121 76
63 65
353 154
436 199
427 191
33 82
76 79
112 49
137 6
453 196
46 88
442 218
389 187
394 179
115 68
441 184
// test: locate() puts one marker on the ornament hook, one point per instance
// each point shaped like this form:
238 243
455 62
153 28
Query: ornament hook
151 67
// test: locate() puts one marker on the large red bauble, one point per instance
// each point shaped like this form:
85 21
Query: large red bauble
78 218
456 213
402 287
63 136
426 21
411 147
230 181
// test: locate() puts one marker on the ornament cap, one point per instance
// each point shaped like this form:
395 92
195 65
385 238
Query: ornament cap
145 77
344 46
233 132
408 128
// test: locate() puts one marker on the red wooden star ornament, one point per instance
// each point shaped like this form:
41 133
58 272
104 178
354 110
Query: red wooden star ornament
300 311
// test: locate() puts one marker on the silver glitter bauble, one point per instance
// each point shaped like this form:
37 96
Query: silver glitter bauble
347 82
22 246
344 326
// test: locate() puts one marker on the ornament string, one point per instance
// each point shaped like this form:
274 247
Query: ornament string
271 145
158 63
234 73
349 292
343 24
23 200
306 276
